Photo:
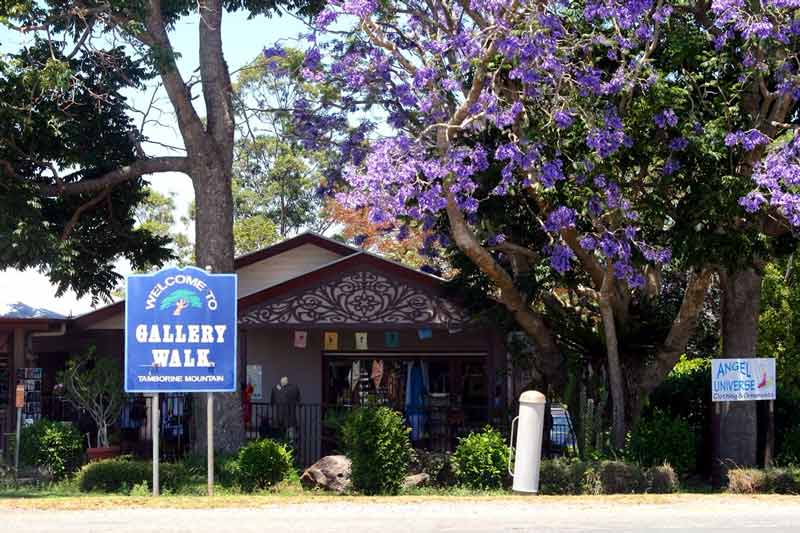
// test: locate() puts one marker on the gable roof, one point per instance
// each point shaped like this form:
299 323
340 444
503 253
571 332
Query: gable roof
295 242
343 250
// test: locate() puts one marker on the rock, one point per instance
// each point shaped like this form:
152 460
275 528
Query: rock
330 473
417 480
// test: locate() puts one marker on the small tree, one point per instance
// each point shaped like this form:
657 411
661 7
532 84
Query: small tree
95 384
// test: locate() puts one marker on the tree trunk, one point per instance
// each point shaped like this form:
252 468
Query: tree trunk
615 380
736 422
214 228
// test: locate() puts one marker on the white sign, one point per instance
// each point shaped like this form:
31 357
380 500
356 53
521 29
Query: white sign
736 380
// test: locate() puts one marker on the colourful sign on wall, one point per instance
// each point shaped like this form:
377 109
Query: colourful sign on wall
180 331
735 380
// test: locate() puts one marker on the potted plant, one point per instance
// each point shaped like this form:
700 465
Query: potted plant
95 384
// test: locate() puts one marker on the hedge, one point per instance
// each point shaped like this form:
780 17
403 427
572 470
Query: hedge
122 474
573 477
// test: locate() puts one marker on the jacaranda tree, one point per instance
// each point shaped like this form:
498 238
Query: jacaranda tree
544 96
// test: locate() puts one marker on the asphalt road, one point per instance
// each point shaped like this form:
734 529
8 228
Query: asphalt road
709 514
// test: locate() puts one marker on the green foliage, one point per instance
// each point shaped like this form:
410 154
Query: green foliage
225 468
263 464
156 214
573 477
789 449
376 441
660 438
56 446
779 323
562 476
481 460
49 120
684 395
94 384
253 233
276 176
123 474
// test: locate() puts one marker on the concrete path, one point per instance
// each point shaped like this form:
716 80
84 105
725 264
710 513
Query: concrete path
726 514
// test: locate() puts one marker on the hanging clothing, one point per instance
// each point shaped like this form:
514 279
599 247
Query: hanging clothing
415 401
127 417
172 416
247 405
377 372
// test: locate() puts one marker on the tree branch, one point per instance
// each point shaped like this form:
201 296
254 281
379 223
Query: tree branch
120 175
76 216
532 322
683 327
189 122
215 79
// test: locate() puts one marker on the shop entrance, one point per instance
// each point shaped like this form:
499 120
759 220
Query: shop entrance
442 396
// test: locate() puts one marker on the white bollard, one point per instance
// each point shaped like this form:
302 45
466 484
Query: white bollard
528 449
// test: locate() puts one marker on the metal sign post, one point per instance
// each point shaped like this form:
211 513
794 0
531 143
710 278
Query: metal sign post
19 403
210 437
155 411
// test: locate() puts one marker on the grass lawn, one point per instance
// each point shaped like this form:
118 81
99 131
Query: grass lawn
66 496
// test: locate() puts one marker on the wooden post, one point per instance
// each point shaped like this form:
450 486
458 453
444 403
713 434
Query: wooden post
154 412
19 403
210 438
769 445
717 473
16 446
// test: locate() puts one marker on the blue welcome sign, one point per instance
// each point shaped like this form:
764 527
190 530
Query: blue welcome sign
180 331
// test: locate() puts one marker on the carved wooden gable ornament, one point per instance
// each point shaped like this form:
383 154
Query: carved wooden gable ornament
360 297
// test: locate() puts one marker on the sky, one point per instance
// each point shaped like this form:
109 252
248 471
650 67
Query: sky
242 41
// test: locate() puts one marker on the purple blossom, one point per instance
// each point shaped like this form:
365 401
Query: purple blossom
560 258
552 172
588 243
494 240
678 144
563 119
748 140
561 218
671 166
666 118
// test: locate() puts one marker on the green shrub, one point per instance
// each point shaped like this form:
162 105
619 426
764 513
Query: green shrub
662 480
225 468
561 476
376 441
263 464
783 480
789 452
56 446
660 438
684 394
614 477
123 474
481 460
